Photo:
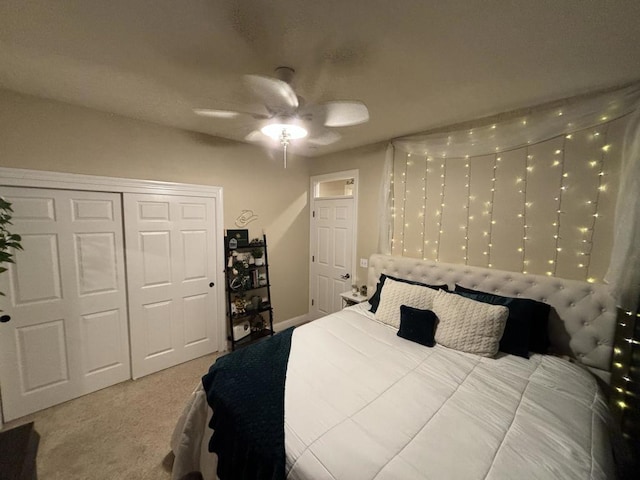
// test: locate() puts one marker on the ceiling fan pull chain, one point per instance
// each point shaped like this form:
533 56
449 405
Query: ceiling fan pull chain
285 156
284 141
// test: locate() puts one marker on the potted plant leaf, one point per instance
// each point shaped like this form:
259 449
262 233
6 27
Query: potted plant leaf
8 241
258 256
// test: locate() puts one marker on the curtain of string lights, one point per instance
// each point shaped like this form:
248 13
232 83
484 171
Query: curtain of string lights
533 193
544 208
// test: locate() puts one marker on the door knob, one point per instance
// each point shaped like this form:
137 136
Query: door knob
211 285
5 318
345 276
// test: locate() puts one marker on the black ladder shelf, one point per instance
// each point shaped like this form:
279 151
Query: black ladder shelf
248 288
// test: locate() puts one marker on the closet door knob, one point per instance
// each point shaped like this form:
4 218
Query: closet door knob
211 285
5 318
345 276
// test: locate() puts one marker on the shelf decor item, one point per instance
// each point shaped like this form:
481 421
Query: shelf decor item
248 290
258 256
241 330
255 302
241 238
239 279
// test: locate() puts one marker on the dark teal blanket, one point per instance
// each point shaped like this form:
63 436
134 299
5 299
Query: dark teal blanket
245 389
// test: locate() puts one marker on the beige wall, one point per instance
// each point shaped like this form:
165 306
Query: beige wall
369 161
46 135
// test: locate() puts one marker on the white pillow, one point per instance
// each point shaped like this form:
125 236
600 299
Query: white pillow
468 325
394 294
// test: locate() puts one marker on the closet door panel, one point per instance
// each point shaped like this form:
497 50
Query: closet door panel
170 263
66 298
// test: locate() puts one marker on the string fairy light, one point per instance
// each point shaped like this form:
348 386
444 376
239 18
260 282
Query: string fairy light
467 207
443 177
594 204
424 206
407 224
394 195
559 212
393 206
625 362
404 203
496 159
523 214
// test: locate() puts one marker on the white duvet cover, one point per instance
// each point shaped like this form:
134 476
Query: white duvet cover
363 403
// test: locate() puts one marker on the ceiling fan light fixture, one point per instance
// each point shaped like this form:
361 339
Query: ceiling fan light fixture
290 131
283 133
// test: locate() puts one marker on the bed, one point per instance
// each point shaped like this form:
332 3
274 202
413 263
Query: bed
363 403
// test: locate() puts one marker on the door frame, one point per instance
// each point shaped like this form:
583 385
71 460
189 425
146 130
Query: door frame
18 177
314 186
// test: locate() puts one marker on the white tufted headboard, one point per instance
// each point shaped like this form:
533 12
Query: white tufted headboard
583 315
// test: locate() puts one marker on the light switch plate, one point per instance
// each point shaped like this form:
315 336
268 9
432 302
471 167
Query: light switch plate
364 263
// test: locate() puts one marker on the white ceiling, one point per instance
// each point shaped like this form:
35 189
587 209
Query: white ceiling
417 64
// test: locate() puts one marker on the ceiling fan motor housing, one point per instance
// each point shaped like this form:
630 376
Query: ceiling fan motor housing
285 74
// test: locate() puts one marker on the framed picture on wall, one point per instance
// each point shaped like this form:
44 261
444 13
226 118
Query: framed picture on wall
240 236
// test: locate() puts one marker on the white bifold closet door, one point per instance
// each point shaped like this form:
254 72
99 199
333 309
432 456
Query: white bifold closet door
66 298
171 254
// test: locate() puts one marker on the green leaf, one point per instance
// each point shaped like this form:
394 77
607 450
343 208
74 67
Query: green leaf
9 242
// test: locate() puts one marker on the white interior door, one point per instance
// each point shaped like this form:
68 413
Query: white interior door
171 258
66 297
332 226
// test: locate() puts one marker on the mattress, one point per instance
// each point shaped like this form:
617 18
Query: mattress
363 403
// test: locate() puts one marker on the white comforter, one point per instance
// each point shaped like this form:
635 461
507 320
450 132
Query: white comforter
362 403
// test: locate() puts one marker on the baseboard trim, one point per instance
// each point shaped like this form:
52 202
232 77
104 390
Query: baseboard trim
292 322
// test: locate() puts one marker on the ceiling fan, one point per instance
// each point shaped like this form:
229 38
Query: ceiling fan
285 116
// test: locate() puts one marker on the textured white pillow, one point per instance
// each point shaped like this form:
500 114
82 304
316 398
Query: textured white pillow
394 294
468 325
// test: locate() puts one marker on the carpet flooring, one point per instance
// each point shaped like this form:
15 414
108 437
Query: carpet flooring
119 433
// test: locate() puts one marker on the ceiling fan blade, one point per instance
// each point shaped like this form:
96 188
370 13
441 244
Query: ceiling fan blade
215 113
210 112
325 138
344 114
278 96
255 136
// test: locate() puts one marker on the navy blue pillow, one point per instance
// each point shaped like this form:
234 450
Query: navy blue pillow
418 325
527 324
375 298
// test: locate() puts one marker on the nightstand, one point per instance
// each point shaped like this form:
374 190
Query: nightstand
349 298
19 447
